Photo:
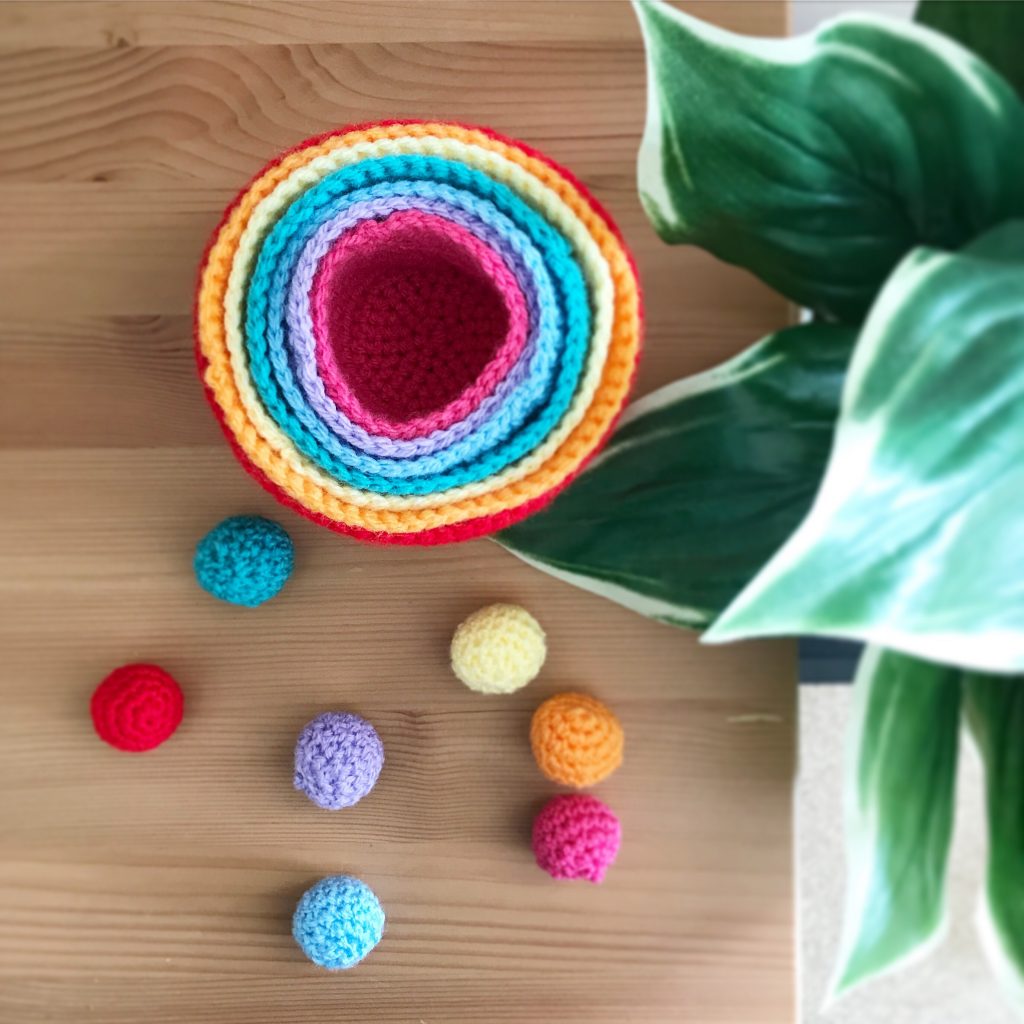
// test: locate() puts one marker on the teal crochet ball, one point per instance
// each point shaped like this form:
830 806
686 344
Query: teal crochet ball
338 921
244 560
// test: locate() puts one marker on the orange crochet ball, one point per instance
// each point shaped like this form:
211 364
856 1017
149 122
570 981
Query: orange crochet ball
576 739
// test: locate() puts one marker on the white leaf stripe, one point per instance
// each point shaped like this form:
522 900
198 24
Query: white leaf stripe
871 914
653 608
747 365
913 542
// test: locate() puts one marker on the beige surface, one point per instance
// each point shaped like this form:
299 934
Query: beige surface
160 887
952 984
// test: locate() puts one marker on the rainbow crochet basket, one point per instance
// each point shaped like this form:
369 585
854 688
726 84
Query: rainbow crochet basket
416 332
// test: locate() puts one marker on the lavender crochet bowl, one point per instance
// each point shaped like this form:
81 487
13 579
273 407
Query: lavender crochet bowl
338 758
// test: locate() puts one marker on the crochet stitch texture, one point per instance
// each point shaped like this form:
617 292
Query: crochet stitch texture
450 301
338 921
416 332
338 758
576 739
524 382
575 835
498 649
244 560
137 707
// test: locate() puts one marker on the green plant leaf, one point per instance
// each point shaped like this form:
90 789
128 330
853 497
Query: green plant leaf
995 715
916 538
993 29
900 785
701 482
819 162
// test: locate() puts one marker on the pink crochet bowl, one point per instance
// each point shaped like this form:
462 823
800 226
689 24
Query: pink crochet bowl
416 321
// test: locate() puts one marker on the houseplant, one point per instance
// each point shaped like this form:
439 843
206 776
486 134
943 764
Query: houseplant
859 474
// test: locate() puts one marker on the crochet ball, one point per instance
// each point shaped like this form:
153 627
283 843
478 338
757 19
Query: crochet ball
137 707
244 560
576 739
337 760
337 922
576 836
498 649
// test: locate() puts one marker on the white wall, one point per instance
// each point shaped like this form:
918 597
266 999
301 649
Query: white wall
805 14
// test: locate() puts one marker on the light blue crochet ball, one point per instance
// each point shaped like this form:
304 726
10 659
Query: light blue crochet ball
244 560
338 921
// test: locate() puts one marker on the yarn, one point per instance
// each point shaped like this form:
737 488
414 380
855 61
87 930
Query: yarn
534 220
244 560
576 739
338 922
524 382
575 835
498 649
417 321
136 707
273 376
338 758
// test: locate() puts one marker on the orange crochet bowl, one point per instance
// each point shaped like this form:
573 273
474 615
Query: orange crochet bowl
416 332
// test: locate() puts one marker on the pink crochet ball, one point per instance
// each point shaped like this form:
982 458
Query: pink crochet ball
576 836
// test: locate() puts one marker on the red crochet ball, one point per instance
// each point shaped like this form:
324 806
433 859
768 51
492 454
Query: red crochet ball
137 707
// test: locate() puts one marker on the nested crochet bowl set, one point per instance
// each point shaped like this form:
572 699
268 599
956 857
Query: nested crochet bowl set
414 333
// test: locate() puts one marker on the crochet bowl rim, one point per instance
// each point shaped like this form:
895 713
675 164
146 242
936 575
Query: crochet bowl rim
470 529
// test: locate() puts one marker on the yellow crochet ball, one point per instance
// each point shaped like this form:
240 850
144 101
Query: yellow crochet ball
498 649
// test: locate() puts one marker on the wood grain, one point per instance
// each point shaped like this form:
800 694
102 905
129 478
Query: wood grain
160 887
222 22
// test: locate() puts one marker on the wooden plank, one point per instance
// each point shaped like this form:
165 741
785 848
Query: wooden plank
160 888
163 115
182 866
159 23
135 251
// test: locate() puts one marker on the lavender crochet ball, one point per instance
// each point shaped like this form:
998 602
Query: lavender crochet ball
337 760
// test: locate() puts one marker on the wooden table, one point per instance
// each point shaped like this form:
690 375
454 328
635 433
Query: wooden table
160 887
